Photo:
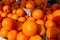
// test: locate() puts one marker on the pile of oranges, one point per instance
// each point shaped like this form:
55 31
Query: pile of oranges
15 24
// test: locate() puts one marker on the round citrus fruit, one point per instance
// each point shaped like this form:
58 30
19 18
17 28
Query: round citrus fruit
22 36
4 32
36 37
12 35
20 12
29 28
37 14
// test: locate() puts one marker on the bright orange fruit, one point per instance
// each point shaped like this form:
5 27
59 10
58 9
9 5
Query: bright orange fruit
22 36
37 14
36 37
12 35
8 23
29 28
4 32
20 12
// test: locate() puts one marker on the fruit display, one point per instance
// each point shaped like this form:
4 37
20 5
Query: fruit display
43 21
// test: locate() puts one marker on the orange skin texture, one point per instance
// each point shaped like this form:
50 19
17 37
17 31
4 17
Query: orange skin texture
14 16
30 19
29 28
8 23
30 5
49 24
4 32
22 19
12 35
22 36
20 12
36 37
37 14
56 15
6 9
14 11
41 22
9 15
4 15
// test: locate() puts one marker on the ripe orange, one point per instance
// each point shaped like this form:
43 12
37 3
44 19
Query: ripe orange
14 16
56 15
29 28
14 11
37 14
9 15
4 32
31 19
20 12
30 5
3 14
49 24
41 22
6 9
12 35
19 26
22 19
8 23
52 32
22 36
36 37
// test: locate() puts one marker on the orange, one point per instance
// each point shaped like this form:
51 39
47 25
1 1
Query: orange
3 14
6 9
52 32
4 32
19 26
31 19
37 14
12 35
22 36
41 22
49 24
20 12
36 37
14 11
15 17
22 19
30 5
29 28
9 15
8 23
49 16
56 15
